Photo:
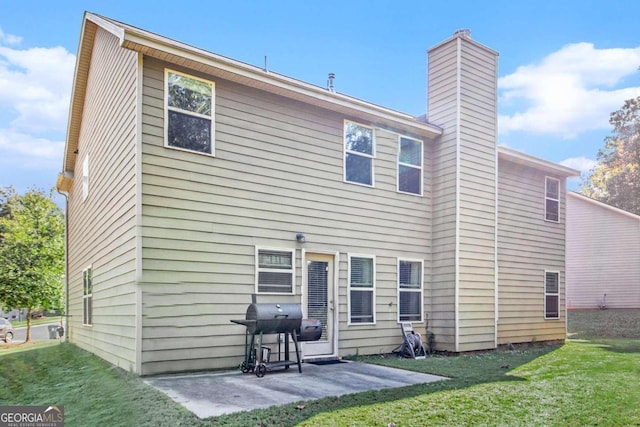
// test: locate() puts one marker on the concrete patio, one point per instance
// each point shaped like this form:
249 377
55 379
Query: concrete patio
219 393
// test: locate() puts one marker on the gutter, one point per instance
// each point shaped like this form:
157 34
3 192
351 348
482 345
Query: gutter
66 262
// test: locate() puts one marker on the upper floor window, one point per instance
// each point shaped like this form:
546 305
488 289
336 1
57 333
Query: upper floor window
410 166
552 199
275 270
359 152
189 113
361 289
410 291
87 296
551 295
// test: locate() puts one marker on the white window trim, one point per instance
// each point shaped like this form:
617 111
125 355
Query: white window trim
546 180
85 177
86 297
373 290
421 290
293 269
372 156
421 167
167 109
551 294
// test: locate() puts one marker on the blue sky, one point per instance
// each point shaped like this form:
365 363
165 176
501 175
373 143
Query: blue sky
563 66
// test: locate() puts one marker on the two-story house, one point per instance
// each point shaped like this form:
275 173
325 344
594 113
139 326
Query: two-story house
195 181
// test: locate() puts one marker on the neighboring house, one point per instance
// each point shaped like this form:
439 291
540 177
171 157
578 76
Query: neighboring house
603 255
189 176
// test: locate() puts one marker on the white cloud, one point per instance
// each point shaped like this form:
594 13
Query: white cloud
582 164
35 87
9 39
571 91
28 151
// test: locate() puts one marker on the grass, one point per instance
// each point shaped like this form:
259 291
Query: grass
20 347
594 380
93 392
610 323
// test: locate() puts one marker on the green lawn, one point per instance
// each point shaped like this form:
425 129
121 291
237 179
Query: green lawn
584 382
34 322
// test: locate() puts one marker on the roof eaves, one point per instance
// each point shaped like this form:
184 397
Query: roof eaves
603 205
156 45
78 92
535 162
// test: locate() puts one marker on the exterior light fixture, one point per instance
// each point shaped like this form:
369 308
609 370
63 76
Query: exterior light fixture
300 238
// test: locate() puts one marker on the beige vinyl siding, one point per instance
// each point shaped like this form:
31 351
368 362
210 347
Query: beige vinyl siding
463 73
477 198
278 171
527 246
603 255
102 228
442 110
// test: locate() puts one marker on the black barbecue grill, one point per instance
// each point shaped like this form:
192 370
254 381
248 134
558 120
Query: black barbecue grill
264 319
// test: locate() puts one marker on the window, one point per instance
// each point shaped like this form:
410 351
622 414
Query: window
85 177
410 305
410 166
551 295
189 113
359 151
87 296
552 199
275 270
361 289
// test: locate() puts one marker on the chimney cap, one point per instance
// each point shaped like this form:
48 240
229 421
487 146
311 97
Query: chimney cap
463 32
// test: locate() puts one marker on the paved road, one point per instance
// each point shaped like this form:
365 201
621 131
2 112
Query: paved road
38 332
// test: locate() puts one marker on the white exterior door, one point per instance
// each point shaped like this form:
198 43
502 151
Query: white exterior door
319 302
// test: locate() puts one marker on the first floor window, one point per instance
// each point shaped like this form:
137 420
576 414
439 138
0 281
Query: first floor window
552 295
189 113
361 289
410 275
359 151
87 296
275 270
552 199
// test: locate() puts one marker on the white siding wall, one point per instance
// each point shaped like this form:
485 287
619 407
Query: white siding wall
277 171
527 246
102 227
463 73
603 255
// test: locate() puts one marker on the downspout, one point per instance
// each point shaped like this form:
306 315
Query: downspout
456 295
66 262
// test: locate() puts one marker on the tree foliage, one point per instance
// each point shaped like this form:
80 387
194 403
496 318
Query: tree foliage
615 180
31 251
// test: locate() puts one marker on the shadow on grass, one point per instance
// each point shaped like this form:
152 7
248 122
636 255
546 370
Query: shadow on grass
462 371
617 345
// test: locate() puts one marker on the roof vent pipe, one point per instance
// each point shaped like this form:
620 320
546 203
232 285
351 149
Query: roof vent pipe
330 82
464 32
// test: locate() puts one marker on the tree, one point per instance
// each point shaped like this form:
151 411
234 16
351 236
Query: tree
31 251
615 180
